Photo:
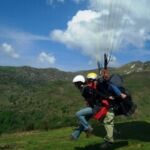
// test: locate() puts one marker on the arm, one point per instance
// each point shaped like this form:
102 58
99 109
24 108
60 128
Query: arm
117 91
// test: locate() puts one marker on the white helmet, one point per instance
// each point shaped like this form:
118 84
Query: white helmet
78 78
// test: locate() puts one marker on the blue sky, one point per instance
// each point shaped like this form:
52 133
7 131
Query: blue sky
69 34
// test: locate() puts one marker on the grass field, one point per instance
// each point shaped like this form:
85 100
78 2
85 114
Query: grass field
134 136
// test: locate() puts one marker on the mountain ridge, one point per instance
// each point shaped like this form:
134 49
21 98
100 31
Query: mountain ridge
53 74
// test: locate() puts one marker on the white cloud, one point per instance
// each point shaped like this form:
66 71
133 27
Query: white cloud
46 58
81 33
21 35
107 25
9 50
61 1
78 1
51 2
22 41
138 9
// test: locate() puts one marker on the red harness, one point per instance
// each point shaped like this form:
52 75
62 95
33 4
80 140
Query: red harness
105 104
102 111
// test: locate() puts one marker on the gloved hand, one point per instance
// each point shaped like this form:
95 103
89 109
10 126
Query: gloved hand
123 96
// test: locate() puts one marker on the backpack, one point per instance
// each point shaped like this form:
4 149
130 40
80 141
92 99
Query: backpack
116 80
122 106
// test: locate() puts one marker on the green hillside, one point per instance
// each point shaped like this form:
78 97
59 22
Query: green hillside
32 99
36 98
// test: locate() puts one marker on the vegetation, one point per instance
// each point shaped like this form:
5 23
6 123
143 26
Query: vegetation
35 101
32 99
134 136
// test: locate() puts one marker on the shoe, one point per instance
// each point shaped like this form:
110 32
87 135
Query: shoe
106 145
88 132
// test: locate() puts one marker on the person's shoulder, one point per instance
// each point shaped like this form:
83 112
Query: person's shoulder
100 80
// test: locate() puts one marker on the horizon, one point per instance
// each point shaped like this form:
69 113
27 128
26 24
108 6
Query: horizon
136 61
73 35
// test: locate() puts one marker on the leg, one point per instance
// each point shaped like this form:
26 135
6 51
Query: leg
109 126
76 134
82 116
